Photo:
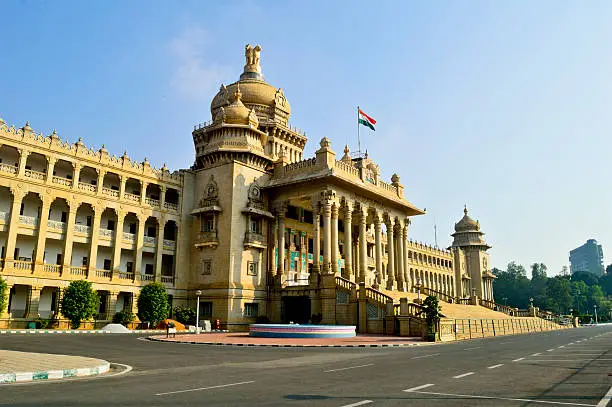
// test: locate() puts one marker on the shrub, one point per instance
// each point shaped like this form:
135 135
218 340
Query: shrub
184 314
124 318
3 294
79 302
153 303
432 316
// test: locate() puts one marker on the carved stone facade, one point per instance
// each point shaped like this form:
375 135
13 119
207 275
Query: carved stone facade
257 228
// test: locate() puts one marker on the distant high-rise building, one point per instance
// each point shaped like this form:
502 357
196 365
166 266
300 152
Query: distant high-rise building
588 257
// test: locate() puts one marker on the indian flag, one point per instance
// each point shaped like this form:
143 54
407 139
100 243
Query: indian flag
366 120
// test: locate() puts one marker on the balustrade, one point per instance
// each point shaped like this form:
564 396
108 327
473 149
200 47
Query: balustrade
171 206
107 233
148 240
167 279
131 197
152 202
78 270
87 187
342 282
104 273
129 236
52 268
146 277
23 265
169 244
9 169
126 276
34 174
110 192
82 229
28 220
56 225
62 181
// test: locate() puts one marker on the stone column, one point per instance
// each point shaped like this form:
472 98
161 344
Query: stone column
139 245
281 241
23 159
159 247
162 197
50 165
326 206
378 239
143 191
334 239
348 240
407 282
391 254
11 239
122 181
400 256
363 248
95 234
316 239
33 300
100 180
68 241
42 231
76 174
117 244
111 304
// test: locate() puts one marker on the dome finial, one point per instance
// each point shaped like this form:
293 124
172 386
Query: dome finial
237 94
465 211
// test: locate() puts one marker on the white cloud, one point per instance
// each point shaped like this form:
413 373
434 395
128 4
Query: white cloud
194 78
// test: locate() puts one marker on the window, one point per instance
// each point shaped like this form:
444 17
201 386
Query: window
129 267
151 231
84 262
252 268
255 226
206 267
148 269
208 223
206 309
107 264
251 310
133 228
58 259
307 216
110 225
292 213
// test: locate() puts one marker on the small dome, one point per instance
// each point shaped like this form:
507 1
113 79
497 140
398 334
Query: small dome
237 112
466 223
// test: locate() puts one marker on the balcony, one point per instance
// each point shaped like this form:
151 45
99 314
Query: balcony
130 237
35 174
78 270
110 192
62 181
149 241
28 220
82 229
126 276
207 239
167 279
56 225
253 239
109 234
52 268
171 206
152 202
8 169
104 273
169 244
25 265
146 277
131 197
87 187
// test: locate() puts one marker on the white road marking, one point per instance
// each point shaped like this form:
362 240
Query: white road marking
463 375
518 360
536 354
568 360
503 343
360 403
495 366
418 387
562 346
505 398
347 368
549 350
205 388
425 356
477 347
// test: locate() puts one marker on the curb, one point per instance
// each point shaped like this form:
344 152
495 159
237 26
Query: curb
369 345
20 377
75 331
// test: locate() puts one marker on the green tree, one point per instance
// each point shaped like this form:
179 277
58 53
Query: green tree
153 303
432 315
609 269
513 284
3 294
606 283
79 302
579 293
538 285
559 293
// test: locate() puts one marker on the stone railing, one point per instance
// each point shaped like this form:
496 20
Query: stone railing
107 233
252 237
78 270
377 296
82 229
371 261
147 277
129 236
438 294
171 206
104 273
311 162
56 225
208 236
131 197
148 240
167 279
28 220
348 168
387 186
62 181
87 187
497 307
344 283
110 192
464 301
34 174
23 265
52 268
9 169
4 216
152 202
169 244
126 276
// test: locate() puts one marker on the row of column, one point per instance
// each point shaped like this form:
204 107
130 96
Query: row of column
487 289
18 195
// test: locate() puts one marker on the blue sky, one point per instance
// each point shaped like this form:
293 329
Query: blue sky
503 106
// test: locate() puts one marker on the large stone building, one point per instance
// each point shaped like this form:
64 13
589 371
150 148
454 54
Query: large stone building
254 226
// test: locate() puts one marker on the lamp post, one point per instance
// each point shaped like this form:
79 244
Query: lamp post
595 306
198 293
531 301
418 287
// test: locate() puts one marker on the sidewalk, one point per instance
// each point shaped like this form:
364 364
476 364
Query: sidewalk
243 339
25 366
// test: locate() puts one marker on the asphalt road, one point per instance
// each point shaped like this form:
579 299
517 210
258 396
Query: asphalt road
563 368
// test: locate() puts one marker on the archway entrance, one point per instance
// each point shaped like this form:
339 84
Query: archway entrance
296 310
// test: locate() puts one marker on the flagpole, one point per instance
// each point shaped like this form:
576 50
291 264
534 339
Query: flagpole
358 138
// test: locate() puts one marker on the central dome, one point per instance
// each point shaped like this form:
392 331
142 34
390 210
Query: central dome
466 223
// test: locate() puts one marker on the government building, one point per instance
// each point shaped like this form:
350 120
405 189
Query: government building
255 227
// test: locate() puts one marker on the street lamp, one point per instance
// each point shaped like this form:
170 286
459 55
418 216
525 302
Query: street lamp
198 293
418 287
595 306
531 301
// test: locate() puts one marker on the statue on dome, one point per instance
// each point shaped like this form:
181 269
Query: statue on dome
251 55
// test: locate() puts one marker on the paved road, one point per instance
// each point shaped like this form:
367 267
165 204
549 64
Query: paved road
563 368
